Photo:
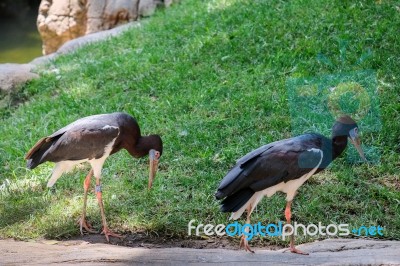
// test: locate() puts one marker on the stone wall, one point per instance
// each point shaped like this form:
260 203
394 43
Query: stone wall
62 20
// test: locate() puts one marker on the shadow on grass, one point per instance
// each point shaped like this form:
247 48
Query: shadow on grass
152 240
15 208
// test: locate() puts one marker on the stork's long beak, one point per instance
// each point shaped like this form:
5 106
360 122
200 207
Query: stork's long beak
154 158
355 140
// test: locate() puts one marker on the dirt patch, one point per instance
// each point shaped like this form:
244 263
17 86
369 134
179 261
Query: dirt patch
391 181
153 242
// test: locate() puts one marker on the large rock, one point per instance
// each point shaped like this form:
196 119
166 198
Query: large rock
14 75
63 20
60 21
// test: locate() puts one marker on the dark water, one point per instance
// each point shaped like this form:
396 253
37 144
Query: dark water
19 39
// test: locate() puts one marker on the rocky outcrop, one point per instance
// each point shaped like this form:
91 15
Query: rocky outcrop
63 20
60 21
14 75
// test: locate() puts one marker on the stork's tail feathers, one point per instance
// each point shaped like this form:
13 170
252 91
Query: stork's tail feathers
234 202
34 155
35 148
219 195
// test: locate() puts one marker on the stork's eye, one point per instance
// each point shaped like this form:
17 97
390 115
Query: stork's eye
353 133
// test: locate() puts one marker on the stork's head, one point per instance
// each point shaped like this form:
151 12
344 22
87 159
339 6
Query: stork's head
346 126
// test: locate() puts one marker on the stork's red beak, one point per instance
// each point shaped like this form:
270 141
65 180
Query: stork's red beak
154 158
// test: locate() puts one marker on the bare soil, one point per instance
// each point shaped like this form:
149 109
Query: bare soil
153 241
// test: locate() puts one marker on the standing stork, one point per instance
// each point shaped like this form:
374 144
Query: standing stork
282 166
92 139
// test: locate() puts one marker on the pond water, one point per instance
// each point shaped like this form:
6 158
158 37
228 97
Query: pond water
20 41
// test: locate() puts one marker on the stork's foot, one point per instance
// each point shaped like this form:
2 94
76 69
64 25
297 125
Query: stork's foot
84 224
245 244
108 233
297 251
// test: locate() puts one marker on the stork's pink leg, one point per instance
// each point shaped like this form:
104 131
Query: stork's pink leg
243 242
288 216
82 221
105 231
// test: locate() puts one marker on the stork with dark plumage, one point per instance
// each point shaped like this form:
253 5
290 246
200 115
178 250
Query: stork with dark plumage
92 139
282 166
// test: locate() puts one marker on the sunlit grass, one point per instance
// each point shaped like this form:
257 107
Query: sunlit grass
213 84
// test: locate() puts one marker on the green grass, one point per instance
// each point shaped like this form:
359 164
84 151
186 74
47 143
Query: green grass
210 77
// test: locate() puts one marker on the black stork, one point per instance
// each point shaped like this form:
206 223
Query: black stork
282 166
92 139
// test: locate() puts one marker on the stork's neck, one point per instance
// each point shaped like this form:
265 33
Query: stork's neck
144 145
339 144
141 147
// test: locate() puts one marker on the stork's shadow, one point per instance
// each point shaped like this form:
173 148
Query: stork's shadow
144 240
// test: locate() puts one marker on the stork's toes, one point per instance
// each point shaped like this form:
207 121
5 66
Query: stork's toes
297 251
84 224
245 245
108 233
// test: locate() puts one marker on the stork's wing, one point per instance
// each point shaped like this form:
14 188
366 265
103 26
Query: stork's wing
77 141
90 122
82 144
270 165
242 162
94 121
257 152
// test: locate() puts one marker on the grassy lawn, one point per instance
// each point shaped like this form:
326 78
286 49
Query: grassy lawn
210 77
